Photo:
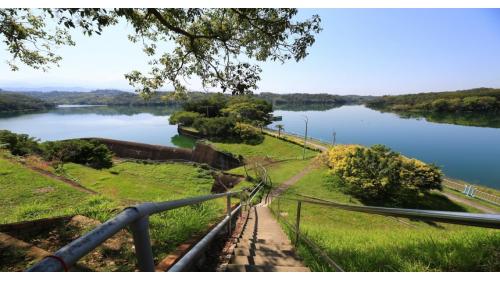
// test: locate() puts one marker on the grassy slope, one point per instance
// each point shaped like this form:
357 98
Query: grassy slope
143 182
364 242
120 186
271 147
476 199
27 195
131 181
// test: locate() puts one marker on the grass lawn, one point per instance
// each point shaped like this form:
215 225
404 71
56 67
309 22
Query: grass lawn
27 195
271 147
130 182
136 182
282 171
365 242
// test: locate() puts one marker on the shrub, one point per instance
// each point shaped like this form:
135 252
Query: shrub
184 118
249 110
377 173
18 144
86 152
221 127
248 134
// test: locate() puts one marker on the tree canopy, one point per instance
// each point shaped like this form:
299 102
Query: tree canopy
211 44
474 100
12 102
379 174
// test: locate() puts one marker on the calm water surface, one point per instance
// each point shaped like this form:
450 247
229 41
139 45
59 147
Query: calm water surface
464 152
139 124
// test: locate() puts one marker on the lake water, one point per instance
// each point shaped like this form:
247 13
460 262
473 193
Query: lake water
138 124
464 152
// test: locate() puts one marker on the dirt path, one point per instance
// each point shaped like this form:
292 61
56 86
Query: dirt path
56 177
289 182
464 201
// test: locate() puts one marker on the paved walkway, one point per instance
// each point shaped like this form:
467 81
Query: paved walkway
310 143
470 203
264 247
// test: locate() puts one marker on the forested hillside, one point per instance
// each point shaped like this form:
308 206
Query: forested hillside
311 99
116 97
12 102
473 100
104 97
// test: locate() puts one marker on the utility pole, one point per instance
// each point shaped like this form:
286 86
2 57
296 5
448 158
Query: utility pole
306 120
334 137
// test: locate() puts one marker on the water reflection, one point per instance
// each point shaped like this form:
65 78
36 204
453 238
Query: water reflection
475 119
466 152
139 124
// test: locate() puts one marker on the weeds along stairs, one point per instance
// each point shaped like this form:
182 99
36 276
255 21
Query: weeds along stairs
263 246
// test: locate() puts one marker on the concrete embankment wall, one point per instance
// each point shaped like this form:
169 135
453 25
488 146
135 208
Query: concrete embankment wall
143 151
203 153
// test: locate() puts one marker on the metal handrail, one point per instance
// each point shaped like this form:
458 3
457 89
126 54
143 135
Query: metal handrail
462 218
472 192
471 219
137 217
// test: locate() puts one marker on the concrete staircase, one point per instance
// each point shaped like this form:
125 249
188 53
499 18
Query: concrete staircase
263 246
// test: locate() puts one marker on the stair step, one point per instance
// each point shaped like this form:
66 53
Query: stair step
265 236
264 252
262 241
266 247
266 260
265 268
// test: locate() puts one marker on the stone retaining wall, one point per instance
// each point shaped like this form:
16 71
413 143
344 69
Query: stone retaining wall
203 153
143 151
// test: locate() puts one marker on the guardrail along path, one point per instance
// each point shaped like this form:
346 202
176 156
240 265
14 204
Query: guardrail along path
263 246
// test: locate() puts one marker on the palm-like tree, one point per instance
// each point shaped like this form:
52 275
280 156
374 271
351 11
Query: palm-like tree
280 127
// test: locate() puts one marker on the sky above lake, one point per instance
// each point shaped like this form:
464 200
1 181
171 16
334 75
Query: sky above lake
359 51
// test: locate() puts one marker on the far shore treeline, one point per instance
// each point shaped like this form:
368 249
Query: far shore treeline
14 101
480 100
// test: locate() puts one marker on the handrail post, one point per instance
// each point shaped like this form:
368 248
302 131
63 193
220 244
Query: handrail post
241 204
279 209
142 243
297 224
229 215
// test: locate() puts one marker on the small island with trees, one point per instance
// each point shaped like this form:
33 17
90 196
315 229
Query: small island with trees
224 118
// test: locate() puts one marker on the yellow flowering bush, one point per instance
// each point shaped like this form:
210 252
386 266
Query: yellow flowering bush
377 173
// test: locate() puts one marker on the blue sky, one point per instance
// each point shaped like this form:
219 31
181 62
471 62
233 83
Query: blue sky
359 51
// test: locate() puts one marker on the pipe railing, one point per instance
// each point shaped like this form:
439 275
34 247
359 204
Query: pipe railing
137 217
461 218
471 191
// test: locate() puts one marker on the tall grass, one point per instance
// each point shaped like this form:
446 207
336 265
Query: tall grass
366 242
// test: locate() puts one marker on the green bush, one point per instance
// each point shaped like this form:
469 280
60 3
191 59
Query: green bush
379 174
226 128
18 144
184 118
218 127
86 152
249 110
248 134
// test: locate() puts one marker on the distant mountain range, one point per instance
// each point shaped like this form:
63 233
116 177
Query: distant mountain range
45 89
122 98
